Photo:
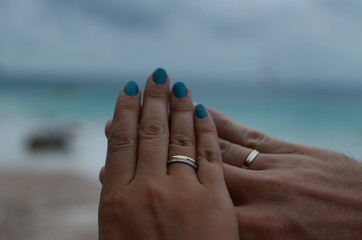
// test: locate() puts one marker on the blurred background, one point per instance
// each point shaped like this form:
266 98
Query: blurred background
289 68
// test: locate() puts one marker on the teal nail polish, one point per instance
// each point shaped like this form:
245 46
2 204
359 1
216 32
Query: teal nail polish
159 76
200 111
131 88
179 90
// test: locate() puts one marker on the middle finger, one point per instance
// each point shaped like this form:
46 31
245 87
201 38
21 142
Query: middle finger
153 130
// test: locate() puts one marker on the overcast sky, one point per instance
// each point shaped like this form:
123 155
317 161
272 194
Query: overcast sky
289 40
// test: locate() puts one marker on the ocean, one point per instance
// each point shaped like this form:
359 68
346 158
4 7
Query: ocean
75 111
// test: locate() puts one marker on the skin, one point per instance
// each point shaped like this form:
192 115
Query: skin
290 191
141 197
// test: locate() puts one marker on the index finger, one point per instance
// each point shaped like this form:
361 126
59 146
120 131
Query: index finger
122 141
241 134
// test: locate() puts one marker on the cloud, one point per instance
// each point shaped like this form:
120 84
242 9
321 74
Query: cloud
293 39
350 7
132 14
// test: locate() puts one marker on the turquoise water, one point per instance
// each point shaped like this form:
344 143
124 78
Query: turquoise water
324 117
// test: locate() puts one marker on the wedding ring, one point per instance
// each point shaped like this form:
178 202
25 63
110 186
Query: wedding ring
183 159
250 158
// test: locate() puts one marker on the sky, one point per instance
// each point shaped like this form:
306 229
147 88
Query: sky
287 40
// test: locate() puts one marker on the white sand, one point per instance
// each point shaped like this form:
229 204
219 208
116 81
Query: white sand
39 205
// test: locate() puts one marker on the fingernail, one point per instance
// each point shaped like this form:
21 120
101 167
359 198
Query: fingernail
179 90
131 88
200 111
159 76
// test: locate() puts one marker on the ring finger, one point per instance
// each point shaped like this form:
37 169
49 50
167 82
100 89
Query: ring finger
237 155
182 133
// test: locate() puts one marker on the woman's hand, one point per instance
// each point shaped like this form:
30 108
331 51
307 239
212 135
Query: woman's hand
142 197
289 191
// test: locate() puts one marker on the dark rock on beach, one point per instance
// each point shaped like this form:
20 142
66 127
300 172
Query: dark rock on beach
49 140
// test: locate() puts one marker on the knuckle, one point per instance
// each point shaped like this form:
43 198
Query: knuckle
153 191
180 107
209 155
155 94
156 196
151 130
207 129
255 136
181 140
113 205
120 140
225 146
122 106
112 200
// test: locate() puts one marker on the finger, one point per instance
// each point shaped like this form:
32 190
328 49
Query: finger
122 141
107 128
153 131
182 133
209 158
233 154
241 134
236 155
101 175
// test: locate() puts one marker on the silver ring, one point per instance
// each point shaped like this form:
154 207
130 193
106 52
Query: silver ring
250 158
183 159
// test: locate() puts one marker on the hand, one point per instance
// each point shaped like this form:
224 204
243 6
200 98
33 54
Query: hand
290 191
141 197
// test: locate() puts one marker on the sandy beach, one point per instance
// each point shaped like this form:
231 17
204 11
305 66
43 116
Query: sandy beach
43 205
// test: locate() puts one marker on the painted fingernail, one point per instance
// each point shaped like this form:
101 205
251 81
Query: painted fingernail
179 90
200 111
159 76
131 88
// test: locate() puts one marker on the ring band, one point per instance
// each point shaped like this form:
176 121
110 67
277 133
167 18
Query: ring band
183 159
250 158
